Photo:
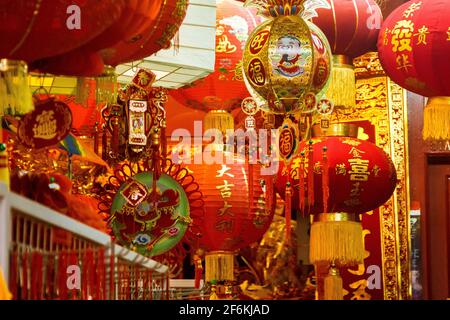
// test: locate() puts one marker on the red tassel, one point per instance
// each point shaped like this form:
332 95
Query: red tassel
13 275
198 271
325 180
62 276
310 175
301 189
287 211
100 271
24 285
73 261
36 276
250 187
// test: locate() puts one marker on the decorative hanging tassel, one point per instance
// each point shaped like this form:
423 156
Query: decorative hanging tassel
436 124
219 265
250 187
24 285
287 211
13 276
115 135
62 276
100 271
301 189
310 175
333 285
73 261
325 180
36 276
198 271
220 120
342 88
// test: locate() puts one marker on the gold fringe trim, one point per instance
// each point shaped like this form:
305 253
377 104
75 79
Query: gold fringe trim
333 285
336 241
219 119
342 88
436 122
219 266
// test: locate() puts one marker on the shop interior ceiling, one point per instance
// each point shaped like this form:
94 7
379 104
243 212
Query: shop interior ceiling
175 67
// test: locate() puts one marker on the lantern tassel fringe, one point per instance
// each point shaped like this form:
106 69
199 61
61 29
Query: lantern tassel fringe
219 266
342 88
436 124
340 241
220 120
333 285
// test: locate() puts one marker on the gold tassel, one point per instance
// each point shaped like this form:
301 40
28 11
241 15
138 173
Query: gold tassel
213 295
219 265
436 122
336 237
14 88
342 88
333 285
219 119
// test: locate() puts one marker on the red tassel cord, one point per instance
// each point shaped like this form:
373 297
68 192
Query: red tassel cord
87 285
250 187
36 276
150 284
310 175
198 271
24 287
73 261
325 180
50 277
301 189
62 276
100 272
13 274
287 211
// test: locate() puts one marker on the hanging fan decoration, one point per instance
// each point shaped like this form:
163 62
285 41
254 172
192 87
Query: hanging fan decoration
150 212
135 126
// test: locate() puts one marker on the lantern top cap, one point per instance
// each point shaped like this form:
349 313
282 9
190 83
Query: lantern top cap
275 8
336 130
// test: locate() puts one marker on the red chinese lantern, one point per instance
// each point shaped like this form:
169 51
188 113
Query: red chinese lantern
236 211
224 89
351 27
336 178
156 36
39 28
414 49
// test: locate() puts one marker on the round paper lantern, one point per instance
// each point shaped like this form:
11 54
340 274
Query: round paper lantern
359 177
224 89
351 27
39 28
236 213
156 36
286 57
414 46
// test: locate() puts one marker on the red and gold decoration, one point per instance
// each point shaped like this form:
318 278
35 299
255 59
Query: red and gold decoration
236 213
351 27
47 125
151 212
136 125
223 90
338 177
414 45
286 56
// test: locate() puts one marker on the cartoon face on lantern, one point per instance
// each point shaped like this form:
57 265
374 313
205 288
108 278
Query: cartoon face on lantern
287 60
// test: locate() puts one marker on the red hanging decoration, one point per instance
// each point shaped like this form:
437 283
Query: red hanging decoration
287 211
24 285
36 276
310 175
13 275
198 270
325 180
301 189
62 268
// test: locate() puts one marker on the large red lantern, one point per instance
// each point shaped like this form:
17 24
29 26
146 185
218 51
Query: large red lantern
351 27
224 89
40 28
156 36
236 212
414 49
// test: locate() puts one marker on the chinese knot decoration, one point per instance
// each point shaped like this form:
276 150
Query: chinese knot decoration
136 125
414 49
151 214
351 27
286 57
336 177
236 212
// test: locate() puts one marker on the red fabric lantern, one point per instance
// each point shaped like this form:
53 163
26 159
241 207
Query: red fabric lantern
223 89
351 27
414 49
155 36
38 28
236 214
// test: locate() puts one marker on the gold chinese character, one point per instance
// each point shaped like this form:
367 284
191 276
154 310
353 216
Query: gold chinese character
225 190
422 39
359 170
317 168
360 293
224 209
411 9
401 36
223 44
224 225
355 191
256 72
258 41
45 127
223 171
375 170
356 153
295 168
385 36
403 62
340 169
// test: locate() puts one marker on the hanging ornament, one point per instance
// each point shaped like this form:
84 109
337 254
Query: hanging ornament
287 140
286 56
250 107
414 46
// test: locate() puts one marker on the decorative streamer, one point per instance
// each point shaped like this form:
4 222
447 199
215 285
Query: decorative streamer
36 276
24 285
13 274
310 175
287 213
325 180
250 186
301 189
73 261
62 283
198 271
